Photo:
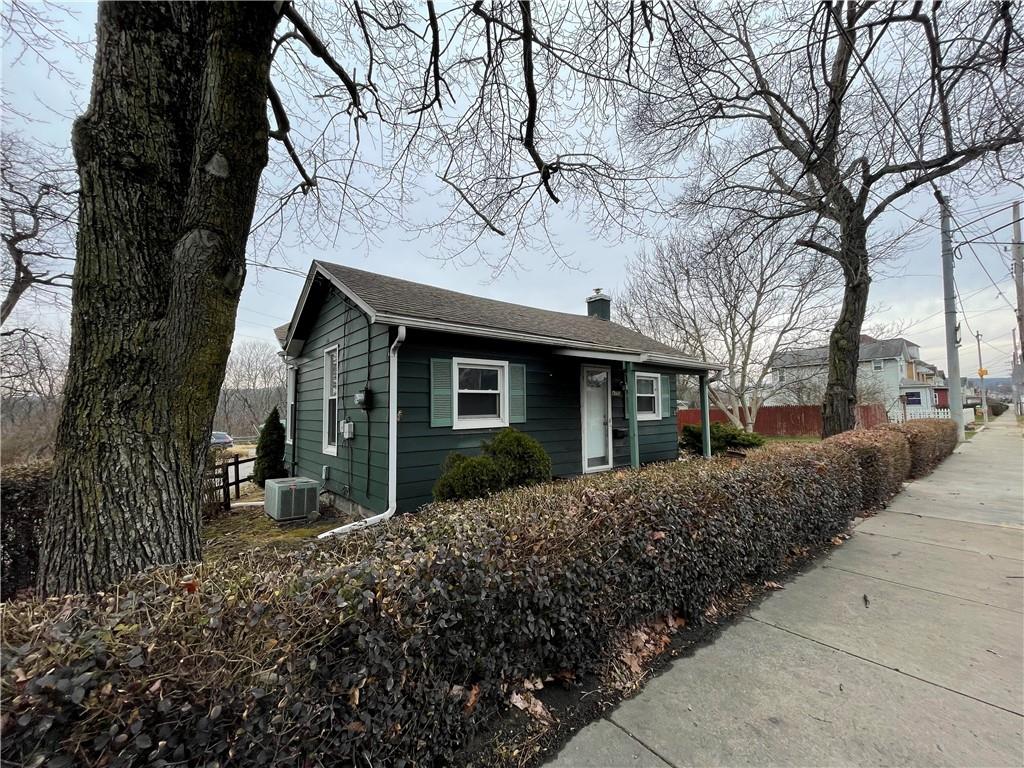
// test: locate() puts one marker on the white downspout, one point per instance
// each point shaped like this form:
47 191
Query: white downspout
392 447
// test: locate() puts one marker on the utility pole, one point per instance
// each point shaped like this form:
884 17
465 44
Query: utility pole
1015 375
981 375
1018 271
1017 371
956 400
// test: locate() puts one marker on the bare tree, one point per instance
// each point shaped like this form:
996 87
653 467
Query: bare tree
32 370
170 155
254 382
735 295
38 200
830 116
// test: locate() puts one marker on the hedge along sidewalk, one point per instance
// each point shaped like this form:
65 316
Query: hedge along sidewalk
399 644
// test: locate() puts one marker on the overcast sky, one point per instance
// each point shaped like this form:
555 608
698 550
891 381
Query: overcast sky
910 295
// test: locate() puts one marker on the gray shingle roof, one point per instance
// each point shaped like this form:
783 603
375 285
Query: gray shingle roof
878 349
392 299
281 332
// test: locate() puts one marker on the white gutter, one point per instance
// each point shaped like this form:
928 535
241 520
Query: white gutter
392 447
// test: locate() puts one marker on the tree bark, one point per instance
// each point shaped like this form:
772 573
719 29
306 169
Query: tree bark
838 411
169 156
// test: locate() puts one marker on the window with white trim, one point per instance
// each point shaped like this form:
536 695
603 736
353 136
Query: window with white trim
480 393
289 413
913 398
330 434
877 365
648 396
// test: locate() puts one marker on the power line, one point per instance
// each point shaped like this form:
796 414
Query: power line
981 264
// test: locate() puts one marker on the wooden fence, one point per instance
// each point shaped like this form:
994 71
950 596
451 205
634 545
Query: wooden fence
223 477
788 420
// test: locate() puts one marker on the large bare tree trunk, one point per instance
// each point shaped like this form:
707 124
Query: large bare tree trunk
838 411
169 156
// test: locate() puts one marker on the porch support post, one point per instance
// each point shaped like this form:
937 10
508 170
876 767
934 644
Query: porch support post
705 416
630 395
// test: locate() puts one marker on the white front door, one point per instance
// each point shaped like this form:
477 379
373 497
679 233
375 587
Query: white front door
596 406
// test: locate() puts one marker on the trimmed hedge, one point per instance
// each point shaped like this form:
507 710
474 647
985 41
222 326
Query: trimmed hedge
931 440
24 494
395 645
884 458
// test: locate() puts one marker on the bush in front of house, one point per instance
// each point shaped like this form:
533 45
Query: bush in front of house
510 459
522 459
269 463
884 458
723 437
24 495
931 440
468 477
397 646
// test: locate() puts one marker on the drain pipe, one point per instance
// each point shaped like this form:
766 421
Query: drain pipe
392 448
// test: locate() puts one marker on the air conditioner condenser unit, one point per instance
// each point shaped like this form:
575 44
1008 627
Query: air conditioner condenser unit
291 498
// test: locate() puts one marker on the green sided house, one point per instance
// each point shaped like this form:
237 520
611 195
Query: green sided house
386 377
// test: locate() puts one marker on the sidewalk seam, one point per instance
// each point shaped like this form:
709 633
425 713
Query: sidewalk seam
923 589
641 743
886 666
934 544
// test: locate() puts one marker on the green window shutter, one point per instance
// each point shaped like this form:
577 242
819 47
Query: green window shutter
666 396
516 393
440 392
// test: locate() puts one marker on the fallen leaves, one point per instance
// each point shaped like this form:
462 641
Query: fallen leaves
532 706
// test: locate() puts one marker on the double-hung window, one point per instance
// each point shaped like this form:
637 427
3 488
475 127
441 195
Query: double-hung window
330 444
913 398
648 400
480 393
289 413
877 365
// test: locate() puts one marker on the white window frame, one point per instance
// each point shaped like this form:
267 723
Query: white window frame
476 422
656 415
291 372
329 448
918 393
878 365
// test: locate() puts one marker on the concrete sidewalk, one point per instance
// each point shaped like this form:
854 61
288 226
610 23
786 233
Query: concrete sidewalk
905 646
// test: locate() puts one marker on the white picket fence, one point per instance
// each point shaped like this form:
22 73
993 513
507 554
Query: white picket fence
919 412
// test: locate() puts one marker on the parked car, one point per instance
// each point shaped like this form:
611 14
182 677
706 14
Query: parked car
221 440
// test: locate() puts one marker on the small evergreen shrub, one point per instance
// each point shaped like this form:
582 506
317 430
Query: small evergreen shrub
523 460
269 462
24 495
723 437
468 477
517 458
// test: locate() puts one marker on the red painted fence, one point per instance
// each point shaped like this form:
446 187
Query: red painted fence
789 420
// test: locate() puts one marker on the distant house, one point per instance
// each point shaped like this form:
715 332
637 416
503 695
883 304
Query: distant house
386 377
890 372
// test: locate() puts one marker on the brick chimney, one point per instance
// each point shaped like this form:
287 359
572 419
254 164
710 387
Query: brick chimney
599 305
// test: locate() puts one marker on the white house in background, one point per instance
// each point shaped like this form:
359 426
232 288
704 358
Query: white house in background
891 372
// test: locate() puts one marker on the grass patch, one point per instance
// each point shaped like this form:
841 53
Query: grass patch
251 528
792 439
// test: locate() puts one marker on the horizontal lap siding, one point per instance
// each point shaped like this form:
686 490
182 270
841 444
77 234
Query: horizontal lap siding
552 409
659 440
362 463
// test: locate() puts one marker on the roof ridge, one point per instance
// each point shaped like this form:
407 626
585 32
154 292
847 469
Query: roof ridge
574 315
